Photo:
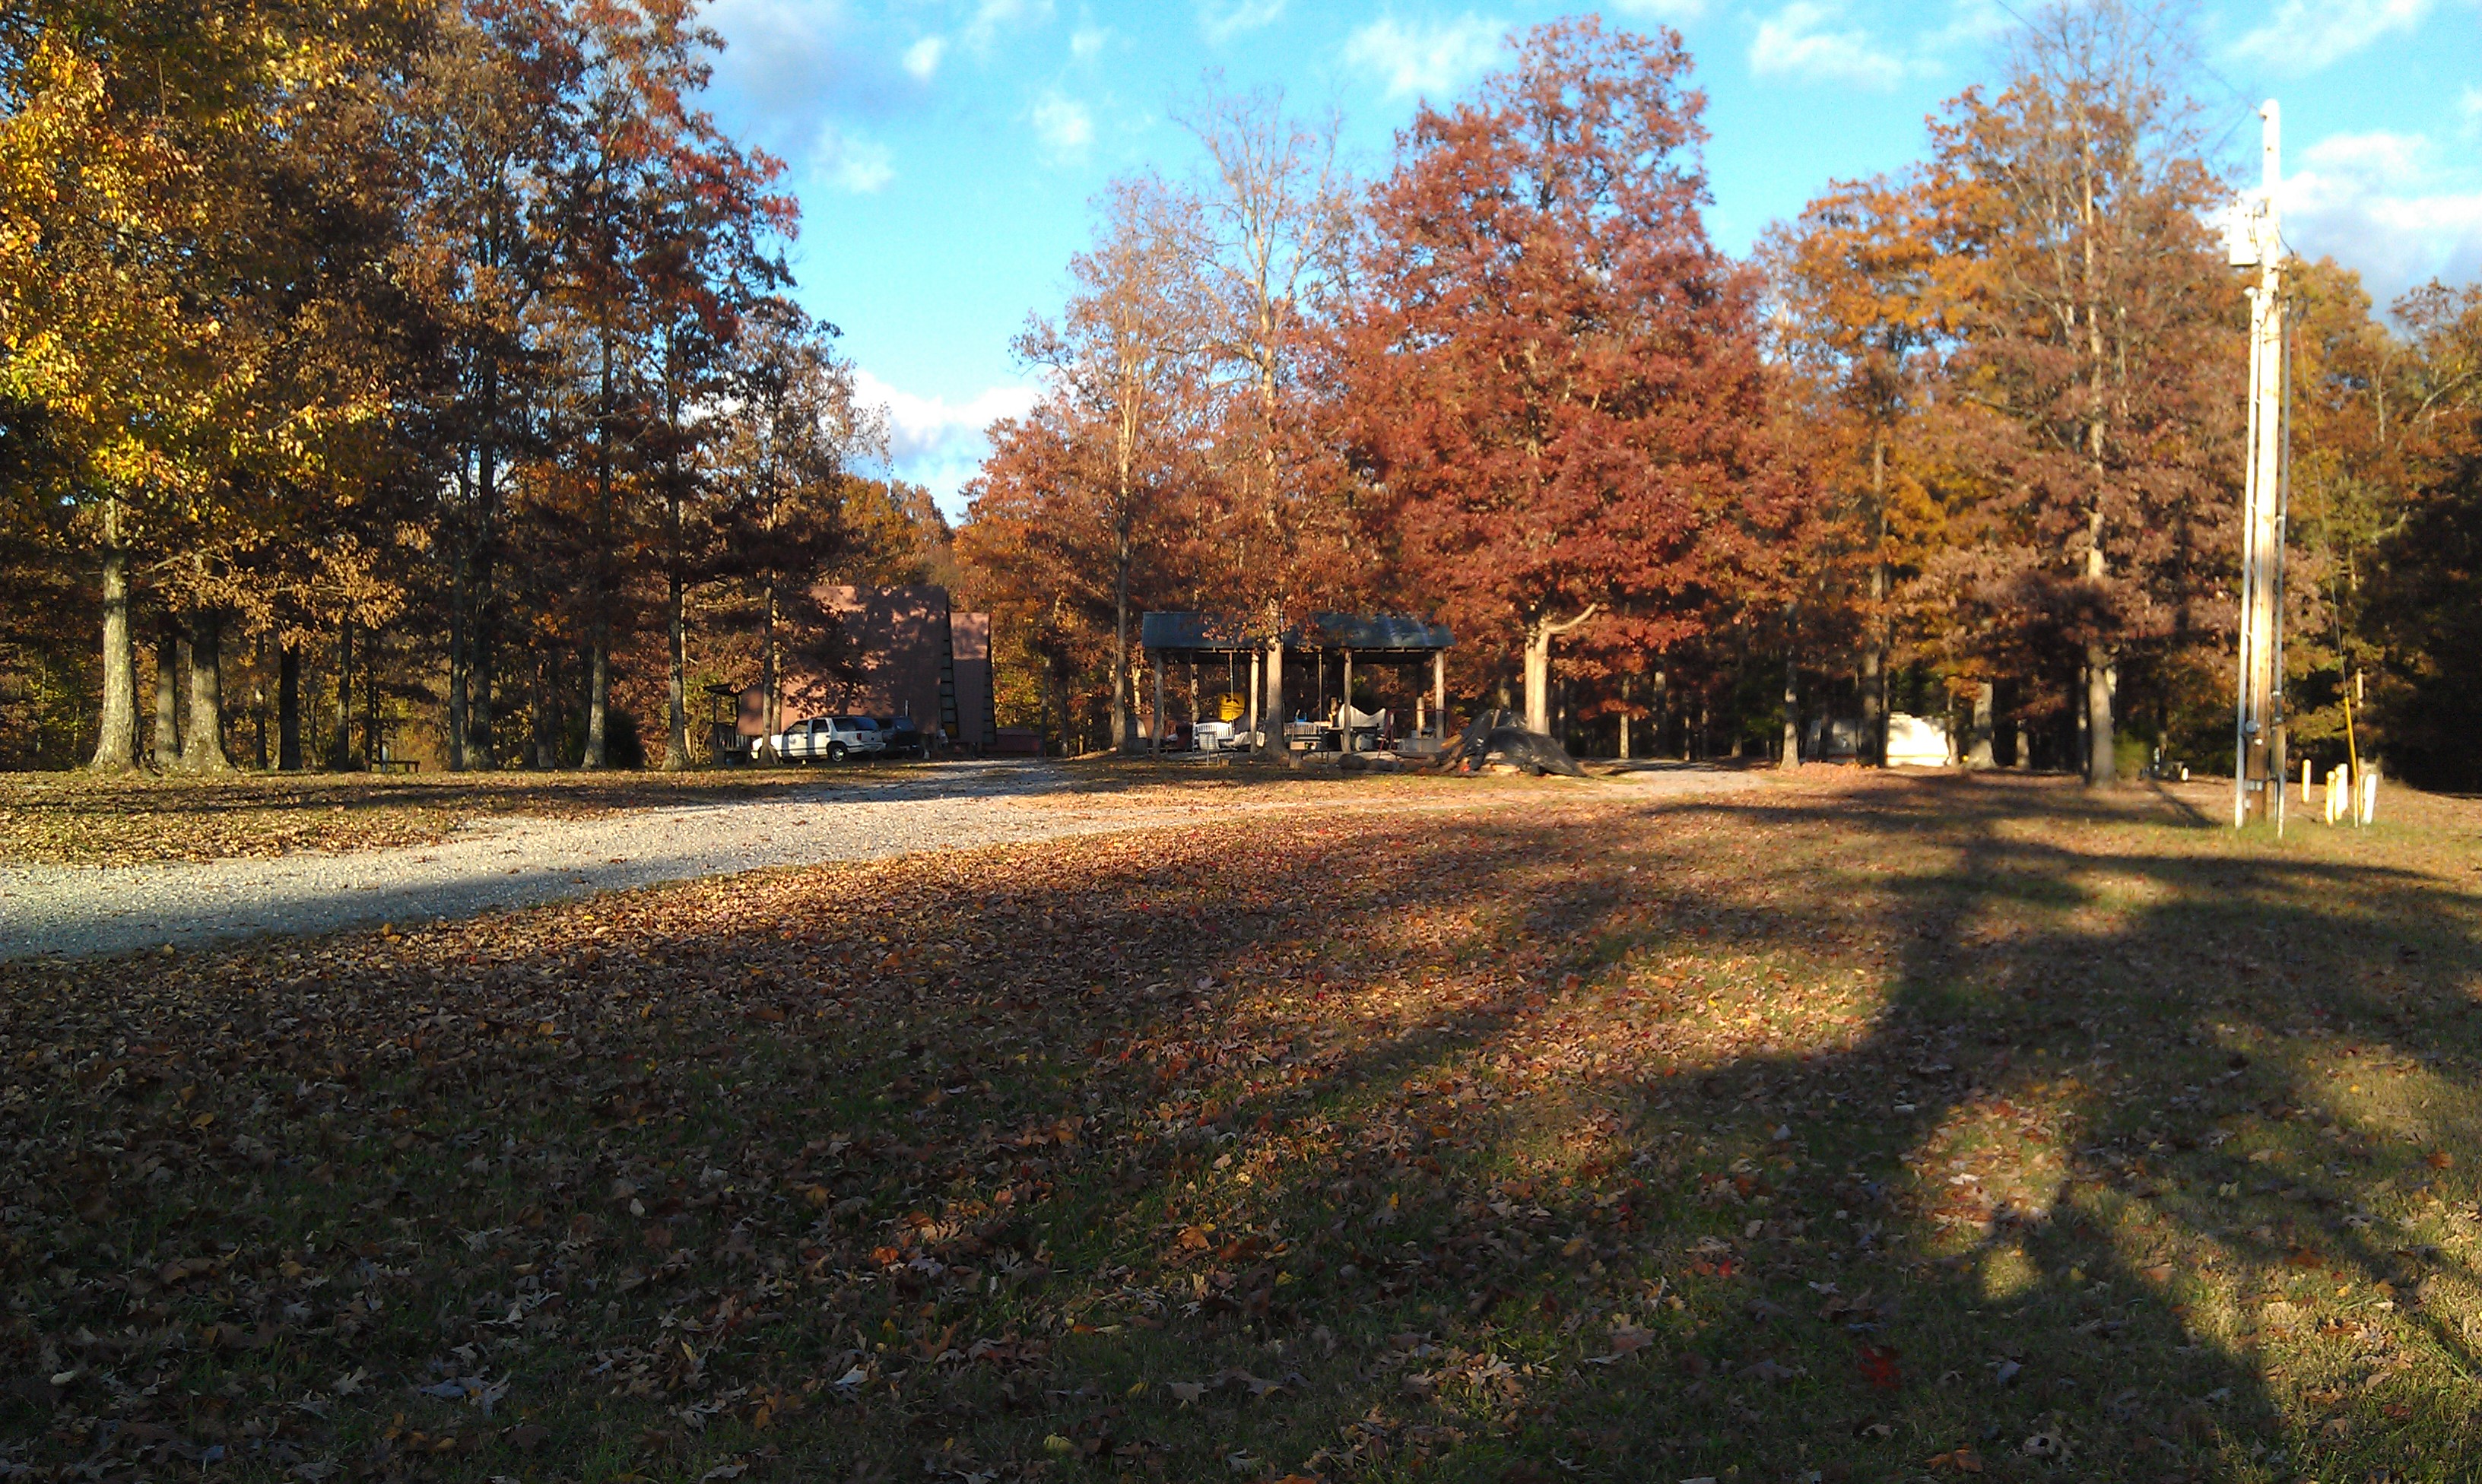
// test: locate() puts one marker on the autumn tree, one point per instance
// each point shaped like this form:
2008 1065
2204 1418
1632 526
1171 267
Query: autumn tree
107 198
1124 358
1036 550
198 248
1270 230
1554 373
895 533
2092 310
1860 324
2423 611
491 113
792 431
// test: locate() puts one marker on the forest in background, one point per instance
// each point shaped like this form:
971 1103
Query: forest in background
400 377
1964 440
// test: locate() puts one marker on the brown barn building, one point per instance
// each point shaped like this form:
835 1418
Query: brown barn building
916 657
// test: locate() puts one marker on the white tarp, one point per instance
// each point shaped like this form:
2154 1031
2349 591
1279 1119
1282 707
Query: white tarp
1917 741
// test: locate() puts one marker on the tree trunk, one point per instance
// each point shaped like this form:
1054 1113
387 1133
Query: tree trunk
459 716
599 697
1978 755
677 671
167 697
258 698
1539 635
288 710
1122 740
480 754
1791 757
374 745
340 745
540 711
115 745
599 660
1874 646
1625 717
2103 765
768 725
1043 698
202 742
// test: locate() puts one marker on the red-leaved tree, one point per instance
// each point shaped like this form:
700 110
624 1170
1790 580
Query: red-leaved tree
1550 373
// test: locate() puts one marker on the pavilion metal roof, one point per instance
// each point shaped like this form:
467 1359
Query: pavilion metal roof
1174 633
1373 632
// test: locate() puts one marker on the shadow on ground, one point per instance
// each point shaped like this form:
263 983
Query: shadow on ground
1877 1130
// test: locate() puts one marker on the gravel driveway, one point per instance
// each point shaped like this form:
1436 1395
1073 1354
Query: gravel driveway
82 910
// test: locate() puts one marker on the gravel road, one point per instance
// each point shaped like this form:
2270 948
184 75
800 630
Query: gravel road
82 910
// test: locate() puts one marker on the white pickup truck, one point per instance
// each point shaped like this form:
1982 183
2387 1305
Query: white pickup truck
826 739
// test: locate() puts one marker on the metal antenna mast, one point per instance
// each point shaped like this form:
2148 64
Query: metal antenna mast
2255 239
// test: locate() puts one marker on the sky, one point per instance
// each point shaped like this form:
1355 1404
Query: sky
945 152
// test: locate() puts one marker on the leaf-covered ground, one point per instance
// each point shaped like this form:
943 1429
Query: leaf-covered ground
1849 1128
141 819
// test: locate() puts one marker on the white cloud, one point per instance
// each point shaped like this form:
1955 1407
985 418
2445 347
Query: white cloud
2469 108
1797 42
1087 43
935 442
1432 60
1972 24
789 63
922 58
1223 20
2303 35
2378 156
849 161
994 16
1064 125
1678 12
2380 203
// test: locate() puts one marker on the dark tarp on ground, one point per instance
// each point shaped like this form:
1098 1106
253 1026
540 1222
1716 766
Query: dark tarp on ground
1500 736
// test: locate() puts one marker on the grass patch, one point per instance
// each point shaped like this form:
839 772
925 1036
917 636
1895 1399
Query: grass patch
1858 1129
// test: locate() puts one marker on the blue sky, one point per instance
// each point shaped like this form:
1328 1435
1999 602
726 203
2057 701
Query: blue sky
945 151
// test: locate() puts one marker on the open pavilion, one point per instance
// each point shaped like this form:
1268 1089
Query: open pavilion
1326 644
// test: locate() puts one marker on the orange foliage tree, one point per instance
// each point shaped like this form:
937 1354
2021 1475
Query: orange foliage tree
1549 372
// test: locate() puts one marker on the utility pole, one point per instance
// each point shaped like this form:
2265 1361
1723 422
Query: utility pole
2255 239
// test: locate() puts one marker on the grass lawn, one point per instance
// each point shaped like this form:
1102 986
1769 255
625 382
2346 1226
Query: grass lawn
1841 1129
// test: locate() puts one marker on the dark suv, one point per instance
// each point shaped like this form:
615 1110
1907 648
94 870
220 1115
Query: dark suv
903 741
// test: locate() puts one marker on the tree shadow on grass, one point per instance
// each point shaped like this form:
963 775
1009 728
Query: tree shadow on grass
1776 1133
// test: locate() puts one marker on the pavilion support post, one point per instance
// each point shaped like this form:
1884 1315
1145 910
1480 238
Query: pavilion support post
1439 694
1257 740
1159 703
1346 705
1275 711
